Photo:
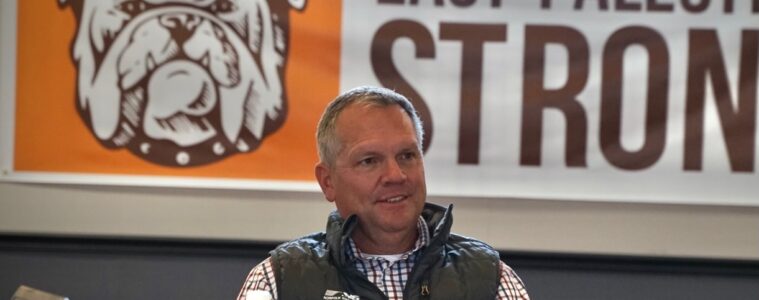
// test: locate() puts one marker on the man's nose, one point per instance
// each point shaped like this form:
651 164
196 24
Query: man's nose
181 25
394 173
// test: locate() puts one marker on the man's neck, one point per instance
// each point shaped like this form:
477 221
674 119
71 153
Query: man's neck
379 242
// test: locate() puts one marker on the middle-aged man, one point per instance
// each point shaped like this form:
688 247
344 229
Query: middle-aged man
384 241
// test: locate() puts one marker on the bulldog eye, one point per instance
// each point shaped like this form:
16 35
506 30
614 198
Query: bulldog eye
223 6
133 7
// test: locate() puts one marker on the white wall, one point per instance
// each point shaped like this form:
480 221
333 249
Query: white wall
507 224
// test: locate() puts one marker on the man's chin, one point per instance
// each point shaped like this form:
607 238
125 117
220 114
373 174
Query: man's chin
397 223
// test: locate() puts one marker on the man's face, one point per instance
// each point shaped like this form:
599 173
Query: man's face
378 173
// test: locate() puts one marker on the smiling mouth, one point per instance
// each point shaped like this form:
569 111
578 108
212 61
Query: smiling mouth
394 199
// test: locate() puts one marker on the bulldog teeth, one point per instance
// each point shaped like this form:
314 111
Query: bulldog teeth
205 60
150 63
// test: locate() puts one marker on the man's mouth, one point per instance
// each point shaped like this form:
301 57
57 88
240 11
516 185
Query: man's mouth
393 199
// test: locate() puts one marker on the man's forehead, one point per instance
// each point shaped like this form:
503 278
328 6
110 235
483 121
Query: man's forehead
355 117
351 121
366 107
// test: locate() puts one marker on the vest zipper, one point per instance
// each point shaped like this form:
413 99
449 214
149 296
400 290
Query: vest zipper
425 291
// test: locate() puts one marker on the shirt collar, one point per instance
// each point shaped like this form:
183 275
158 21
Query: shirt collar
422 240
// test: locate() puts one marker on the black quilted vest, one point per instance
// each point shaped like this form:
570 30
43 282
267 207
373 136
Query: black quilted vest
450 267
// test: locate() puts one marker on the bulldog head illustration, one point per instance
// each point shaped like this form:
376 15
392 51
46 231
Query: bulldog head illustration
181 82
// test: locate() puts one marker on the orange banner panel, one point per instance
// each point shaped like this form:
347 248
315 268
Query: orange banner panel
51 136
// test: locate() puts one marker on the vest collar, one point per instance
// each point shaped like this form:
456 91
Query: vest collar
439 221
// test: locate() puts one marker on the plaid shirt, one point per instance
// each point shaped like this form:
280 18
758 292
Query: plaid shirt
389 276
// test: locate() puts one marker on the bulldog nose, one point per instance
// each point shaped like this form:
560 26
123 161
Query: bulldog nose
181 25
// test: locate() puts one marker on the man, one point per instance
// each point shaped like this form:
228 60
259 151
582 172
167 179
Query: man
384 241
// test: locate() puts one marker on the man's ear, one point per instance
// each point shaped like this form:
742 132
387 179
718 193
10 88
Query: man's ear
324 177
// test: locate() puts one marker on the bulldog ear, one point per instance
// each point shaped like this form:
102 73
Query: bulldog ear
296 4
76 6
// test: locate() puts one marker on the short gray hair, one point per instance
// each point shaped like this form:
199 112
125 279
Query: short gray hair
326 140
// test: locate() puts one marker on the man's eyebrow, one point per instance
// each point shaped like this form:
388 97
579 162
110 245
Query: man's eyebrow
412 146
364 151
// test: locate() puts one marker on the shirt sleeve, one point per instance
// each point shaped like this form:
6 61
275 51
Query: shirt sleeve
260 283
510 286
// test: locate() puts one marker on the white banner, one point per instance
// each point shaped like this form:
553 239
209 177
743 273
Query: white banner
590 100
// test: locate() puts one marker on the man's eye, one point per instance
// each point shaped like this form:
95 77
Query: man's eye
367 161
408 156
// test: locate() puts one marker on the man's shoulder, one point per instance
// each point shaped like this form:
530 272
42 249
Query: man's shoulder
310 251
309 244
459 242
